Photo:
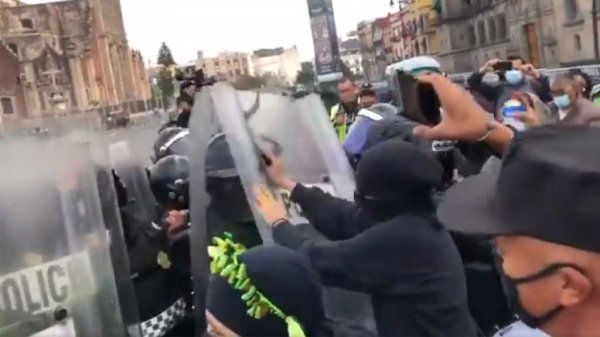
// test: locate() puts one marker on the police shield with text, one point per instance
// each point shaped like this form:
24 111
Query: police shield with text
254 125
56 272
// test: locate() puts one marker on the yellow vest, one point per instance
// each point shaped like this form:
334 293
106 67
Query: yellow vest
340 130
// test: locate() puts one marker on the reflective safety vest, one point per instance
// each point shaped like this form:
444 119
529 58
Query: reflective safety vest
341 129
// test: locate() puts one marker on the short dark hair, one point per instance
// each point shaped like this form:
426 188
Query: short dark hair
367 92
517 57
346 79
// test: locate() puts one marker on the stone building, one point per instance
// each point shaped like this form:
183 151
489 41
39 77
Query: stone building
279 65
351 56
367 50
72 52
548 33
424 20
225 66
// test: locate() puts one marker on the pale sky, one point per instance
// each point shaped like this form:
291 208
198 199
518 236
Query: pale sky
234 25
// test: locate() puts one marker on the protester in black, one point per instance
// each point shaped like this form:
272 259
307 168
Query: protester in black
387 244
542 209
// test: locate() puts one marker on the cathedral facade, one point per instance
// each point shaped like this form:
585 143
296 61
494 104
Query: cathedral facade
66 57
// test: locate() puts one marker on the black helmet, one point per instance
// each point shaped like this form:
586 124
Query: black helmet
172 140
219 162
169 181
223 182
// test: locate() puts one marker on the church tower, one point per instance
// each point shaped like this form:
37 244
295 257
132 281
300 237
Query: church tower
112 53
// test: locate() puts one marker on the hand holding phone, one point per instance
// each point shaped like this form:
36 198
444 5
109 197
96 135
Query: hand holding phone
512 111
503 66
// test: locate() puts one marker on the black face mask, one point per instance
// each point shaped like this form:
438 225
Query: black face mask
511 291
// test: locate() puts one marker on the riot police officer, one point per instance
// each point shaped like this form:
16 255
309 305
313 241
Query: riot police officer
229 211
169 183
172 140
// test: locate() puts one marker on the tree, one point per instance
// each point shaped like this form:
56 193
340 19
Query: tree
165 58
165 83
306 76
165 74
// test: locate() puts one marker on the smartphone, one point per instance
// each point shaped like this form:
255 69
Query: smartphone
419 100
503 66
511 110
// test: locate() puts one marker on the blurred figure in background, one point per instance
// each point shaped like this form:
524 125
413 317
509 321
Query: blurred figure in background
342 114
595 95
569 106
367 96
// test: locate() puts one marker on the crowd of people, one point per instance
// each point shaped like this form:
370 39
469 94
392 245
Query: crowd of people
480 219
474 214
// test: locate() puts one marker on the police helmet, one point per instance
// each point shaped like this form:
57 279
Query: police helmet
219 162
223 182
170 141
169 181
416 65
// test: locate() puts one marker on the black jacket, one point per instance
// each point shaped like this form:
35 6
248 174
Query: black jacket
409 265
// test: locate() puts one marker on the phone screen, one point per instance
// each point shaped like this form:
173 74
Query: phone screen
419 100
503 66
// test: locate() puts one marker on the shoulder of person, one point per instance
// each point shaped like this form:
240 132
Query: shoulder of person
519 329
587 111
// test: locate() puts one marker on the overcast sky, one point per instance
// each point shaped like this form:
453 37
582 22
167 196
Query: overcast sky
235 25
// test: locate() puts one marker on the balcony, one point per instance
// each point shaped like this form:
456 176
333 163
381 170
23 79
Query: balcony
432 23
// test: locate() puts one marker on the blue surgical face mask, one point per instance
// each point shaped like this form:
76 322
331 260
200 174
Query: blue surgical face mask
514 77
562 102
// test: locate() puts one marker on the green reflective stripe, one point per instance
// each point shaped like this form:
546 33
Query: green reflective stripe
341 131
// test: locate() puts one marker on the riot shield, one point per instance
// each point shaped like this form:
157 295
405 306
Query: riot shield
299 132
130 169
55 250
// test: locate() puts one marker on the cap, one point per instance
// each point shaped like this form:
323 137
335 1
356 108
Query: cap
548 188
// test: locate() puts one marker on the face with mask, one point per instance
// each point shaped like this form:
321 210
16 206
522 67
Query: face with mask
543 293
491 79
563 93
514 77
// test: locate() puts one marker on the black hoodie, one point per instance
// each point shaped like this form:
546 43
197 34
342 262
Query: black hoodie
389 245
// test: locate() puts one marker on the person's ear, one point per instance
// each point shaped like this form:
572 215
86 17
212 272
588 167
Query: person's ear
576 287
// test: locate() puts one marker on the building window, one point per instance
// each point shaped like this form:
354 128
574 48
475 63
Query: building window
577 42
13 48
471 36
27 23
492 29
481 32
7 106
571 10
501 25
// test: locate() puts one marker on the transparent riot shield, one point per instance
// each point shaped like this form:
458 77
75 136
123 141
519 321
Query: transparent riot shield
56 271
203 127
131 169
299 132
